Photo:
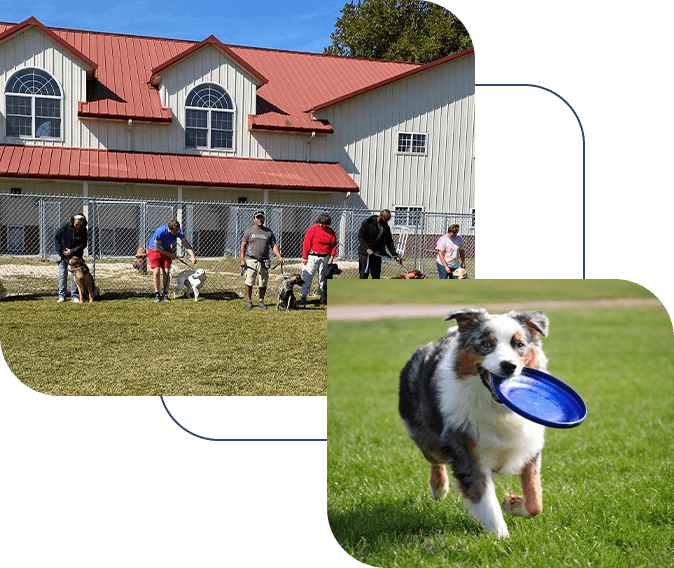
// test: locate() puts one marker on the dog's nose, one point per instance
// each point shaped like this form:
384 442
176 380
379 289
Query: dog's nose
508 368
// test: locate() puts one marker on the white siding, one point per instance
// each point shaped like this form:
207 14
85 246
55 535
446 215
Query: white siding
31 48
438 102
208 65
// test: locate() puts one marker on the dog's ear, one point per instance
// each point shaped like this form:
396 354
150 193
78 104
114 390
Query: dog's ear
536 321
467 316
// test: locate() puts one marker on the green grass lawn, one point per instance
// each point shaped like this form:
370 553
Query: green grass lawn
136 347
608 485
477 291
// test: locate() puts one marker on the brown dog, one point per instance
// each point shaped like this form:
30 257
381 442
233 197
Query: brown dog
140 264
411 275
83 279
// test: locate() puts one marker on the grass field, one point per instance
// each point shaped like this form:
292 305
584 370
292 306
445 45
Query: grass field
608 485
136 347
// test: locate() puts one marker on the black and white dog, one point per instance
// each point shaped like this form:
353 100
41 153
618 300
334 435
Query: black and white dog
452 412
286 296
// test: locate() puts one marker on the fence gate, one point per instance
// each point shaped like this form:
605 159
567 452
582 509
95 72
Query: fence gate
50 221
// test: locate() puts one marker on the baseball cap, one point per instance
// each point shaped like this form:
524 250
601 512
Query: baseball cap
259 214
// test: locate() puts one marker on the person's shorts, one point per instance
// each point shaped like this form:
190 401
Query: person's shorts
158 260
262 272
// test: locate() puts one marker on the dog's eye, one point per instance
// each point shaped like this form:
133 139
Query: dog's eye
486 344
520 345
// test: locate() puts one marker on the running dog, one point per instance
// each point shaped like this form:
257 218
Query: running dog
3 292
451 411
190 279
286 295
83 279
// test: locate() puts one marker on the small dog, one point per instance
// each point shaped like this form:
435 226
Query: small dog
459 274
411 275
286 296
451 411
83 279
3 292
190 278
333 270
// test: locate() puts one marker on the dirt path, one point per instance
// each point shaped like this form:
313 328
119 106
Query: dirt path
408 311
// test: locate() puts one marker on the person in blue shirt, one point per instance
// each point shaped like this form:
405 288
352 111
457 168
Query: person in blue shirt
160 254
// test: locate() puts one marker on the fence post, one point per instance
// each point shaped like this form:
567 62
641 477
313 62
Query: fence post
94 223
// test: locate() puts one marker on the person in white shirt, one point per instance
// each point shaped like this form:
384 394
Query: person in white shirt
451 254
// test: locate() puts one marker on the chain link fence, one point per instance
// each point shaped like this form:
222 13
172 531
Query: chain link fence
119 227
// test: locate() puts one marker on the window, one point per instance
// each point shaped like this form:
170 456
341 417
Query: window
408 217
15 191
32 105
411 143
209 118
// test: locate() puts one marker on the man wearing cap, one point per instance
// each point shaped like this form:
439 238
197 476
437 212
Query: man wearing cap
374 237
255 245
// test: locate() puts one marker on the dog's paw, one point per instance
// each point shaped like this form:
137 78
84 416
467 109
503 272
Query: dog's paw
499 529
514 504
439 493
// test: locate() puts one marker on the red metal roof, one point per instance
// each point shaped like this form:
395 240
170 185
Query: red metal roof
292 84
136 167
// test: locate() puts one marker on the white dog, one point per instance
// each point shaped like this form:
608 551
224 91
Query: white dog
193 278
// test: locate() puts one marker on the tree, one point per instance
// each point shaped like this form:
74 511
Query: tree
404 30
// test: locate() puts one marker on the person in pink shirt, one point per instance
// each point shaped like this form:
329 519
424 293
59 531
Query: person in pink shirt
318 250
450 253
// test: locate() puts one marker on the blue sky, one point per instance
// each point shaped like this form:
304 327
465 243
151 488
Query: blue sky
291 25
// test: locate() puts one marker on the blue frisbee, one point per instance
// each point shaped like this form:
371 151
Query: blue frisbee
541 398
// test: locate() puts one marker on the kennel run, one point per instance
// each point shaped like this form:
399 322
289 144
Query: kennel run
119 227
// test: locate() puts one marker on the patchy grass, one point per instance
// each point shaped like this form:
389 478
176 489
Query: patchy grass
136 347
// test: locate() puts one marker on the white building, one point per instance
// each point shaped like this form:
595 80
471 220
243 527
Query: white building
105 114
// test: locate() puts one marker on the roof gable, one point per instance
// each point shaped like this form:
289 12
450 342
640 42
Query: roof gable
33 22
156 77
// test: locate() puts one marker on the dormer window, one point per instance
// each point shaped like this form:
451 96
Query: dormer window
32 105
209 118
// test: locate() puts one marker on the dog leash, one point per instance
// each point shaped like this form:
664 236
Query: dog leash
367 265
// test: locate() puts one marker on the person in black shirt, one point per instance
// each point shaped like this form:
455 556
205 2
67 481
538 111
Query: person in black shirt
374 237
70 240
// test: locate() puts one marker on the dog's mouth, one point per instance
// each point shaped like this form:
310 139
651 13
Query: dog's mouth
488 381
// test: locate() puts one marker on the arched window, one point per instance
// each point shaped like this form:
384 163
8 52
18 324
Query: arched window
209 118
33 105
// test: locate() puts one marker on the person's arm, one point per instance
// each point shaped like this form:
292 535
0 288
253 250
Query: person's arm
244 245
277 252
361 237
58 244
157 247
333 252
188 247
462 255
391 247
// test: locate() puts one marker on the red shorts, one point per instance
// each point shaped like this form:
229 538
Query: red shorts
158 260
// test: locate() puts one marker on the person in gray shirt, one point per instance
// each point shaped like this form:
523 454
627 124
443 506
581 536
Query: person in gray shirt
256 243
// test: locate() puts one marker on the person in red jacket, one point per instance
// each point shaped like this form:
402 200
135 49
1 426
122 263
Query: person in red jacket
320 246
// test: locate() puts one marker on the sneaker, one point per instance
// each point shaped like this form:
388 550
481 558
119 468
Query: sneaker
166 298
261 305
61 299
157 298
302 302
75 299
249 306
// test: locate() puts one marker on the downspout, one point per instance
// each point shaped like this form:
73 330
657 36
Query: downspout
129 136
311 139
